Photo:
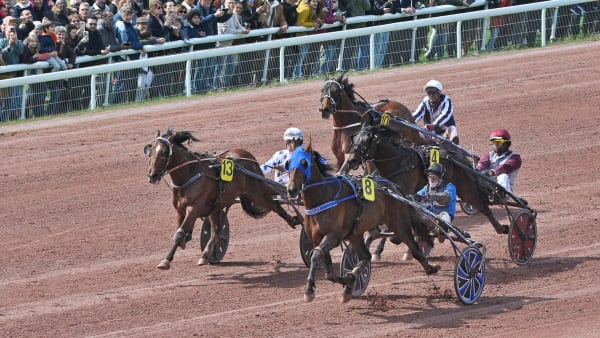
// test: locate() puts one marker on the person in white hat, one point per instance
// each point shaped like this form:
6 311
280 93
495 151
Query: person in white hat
437 112
293 138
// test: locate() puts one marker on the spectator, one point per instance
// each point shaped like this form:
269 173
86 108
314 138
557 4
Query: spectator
26 24
37 91
272 13
437 112
380 7
501 163
210 15
329 48
400 40
227 64
308 16
100 6
131 4
194 29
20 6
60 13
440 37
358 47
40 10
66 53
47 42
189 4
496 23
12 51
128 37
84 11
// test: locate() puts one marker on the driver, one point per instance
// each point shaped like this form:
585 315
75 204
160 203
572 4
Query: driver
437 112
502 163
437 196
293 138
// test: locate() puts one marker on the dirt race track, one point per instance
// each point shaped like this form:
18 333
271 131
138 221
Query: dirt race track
82 230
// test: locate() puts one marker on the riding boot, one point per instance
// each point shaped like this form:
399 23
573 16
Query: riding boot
455 140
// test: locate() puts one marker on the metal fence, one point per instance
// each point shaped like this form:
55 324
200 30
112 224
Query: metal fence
174 69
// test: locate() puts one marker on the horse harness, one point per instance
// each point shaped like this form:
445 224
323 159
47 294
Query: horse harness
374 114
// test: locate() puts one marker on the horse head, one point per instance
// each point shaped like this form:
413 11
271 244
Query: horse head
160 152
363 146
299 167
331 95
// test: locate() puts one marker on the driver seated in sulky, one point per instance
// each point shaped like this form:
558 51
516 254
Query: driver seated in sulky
501 163
437 112
293 138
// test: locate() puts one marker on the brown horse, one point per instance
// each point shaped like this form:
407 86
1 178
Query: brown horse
336 211
338 100
404 166
199 189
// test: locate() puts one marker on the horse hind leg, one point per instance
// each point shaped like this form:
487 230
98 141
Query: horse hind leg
215 225
292 221
500 228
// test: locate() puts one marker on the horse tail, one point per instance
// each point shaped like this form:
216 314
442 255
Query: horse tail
252 209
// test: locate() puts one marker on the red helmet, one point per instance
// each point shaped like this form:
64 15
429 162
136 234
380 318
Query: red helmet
500 134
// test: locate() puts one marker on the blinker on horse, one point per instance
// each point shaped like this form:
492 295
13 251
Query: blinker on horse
198 189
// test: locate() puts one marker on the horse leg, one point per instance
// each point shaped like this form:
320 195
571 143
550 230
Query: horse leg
379 250
182 235
500 228
292 221
337 147
364 257
320 254
215 226
406 235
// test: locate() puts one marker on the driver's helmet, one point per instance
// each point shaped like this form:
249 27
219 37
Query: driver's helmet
293 134
437 170
433 84
501 135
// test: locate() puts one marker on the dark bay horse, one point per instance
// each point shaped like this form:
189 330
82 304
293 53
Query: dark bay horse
336 211
404 166
199 189
338 100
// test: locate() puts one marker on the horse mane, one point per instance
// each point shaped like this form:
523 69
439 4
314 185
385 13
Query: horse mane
180 137
324 167
347 86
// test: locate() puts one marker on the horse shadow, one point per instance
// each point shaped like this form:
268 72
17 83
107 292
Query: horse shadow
281 275
431 315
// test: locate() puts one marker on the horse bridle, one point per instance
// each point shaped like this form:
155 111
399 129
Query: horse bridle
149 147
329 97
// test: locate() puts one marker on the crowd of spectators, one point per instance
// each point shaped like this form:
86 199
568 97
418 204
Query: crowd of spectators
58 31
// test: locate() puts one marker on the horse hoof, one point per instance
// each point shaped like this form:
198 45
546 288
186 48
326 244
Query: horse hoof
164 265
202 261
345 298
309 297
375 258
434 269
181 245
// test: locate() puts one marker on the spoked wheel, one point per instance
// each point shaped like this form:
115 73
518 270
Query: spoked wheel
349 262
522 237
469 275
467 208
306 247
220 248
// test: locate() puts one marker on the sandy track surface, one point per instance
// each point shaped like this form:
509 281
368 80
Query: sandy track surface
82 230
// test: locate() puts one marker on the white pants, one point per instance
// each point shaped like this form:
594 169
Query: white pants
504 181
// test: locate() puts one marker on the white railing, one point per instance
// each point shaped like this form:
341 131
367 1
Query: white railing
189 57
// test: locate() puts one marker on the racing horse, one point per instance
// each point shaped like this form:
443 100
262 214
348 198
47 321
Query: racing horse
336 211
198 189
404 166
338 100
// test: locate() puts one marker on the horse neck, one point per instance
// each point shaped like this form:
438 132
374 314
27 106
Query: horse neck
403 166
183 165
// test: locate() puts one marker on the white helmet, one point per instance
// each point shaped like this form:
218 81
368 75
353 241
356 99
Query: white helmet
293 134
433 84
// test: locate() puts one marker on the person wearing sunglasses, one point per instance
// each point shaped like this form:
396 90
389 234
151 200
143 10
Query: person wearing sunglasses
501 163
437 112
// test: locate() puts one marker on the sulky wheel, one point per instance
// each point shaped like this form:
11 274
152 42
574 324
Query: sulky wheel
467 208
522 237
349 262
306 247
469 275
220 248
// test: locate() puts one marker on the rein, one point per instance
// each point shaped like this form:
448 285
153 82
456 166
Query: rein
336 200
